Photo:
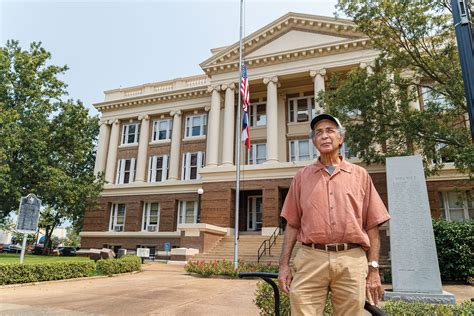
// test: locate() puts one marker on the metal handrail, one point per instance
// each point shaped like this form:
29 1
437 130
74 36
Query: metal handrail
271 241
267 277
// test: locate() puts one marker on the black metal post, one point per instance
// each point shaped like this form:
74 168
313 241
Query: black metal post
464 36
199 193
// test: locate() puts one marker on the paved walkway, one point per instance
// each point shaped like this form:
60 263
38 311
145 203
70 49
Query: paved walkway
159 290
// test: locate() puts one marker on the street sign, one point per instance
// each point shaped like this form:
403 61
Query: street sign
29 214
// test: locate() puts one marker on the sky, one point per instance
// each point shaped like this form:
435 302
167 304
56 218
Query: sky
111 44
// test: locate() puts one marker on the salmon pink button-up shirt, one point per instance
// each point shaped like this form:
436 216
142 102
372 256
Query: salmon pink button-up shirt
337 208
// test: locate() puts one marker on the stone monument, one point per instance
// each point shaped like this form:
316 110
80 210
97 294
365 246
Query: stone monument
415 270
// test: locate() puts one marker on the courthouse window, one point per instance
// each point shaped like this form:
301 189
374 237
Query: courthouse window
457 205
191 163
151 217
187 213
117 217
158 168
301 150
301 109
257 114
162 129
125 171
257 154
130 133
196 125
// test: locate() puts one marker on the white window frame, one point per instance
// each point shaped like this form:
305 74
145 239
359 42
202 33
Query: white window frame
253 114
189 126
438 158
427 96
182 215
146 226
120 177
252 153
252 213
444 203
293 108
186 165
126 132
113 225
313 152
157 130
152 168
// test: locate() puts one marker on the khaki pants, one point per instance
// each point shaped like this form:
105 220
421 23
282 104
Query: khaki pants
317 271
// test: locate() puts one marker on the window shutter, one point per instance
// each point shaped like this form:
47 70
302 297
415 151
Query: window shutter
149 168
111 222
164 173
119 175
144 216
199 163
183 167
124 133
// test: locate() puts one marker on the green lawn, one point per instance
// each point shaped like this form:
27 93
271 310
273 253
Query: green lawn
11 258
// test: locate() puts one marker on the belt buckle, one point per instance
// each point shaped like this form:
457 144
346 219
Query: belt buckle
326 247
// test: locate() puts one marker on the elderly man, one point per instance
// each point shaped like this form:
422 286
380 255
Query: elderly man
333 209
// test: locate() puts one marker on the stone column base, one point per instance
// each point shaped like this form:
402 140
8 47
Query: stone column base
432 298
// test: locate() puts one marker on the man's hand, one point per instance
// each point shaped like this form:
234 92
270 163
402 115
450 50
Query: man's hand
373 287
284 278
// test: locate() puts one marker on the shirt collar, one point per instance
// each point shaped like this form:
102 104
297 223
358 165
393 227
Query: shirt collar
343 165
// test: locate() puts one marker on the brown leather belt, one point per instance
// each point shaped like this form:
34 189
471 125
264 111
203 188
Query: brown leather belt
332 247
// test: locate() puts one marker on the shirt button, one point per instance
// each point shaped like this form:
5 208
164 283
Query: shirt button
330 193
333 224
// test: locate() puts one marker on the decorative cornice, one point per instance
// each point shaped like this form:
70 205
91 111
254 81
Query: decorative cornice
227 59
151 99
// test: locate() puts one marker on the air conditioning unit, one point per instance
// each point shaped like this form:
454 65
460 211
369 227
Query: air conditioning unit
118 228
151 228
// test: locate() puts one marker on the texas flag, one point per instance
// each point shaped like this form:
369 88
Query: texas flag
244 92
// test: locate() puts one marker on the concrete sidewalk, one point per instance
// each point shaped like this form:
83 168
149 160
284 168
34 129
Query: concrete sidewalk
160 289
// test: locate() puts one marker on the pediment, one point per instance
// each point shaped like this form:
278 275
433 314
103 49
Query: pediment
294 40
292 32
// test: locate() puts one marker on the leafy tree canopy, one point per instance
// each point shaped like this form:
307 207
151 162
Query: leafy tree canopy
47 143
418 55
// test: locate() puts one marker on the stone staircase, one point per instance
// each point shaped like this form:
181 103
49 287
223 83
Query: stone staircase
248 248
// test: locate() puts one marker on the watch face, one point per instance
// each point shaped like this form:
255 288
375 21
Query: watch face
374 264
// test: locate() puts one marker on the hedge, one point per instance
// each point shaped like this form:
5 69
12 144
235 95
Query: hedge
265 303
125 264
226 268
21 273
454 244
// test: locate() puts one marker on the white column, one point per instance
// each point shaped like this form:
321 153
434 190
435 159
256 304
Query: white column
272 119
318 80
413 92
142 148
228 131
112 153
102 147
175 145
212 149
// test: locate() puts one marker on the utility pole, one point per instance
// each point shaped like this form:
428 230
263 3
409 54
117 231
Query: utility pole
464 37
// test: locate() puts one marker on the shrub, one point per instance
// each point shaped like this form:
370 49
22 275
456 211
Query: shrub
125 264
19 273
264 299
418 308
454 244
226 268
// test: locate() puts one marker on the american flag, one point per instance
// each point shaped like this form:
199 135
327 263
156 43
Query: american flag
244 92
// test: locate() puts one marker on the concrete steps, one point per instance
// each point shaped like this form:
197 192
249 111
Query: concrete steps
248 250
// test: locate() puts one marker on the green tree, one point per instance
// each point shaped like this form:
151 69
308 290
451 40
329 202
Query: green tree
72 237
417 53
47 143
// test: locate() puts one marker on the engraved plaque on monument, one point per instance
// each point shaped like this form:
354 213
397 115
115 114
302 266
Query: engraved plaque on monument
29 214
415 270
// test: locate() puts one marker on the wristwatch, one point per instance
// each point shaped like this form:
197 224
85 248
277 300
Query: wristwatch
374 264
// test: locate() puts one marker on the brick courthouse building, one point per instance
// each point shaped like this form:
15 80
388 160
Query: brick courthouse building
161 142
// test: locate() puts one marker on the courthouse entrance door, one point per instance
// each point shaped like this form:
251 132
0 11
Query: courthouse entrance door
254 212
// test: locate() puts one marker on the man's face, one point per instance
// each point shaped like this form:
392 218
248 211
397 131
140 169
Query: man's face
327 138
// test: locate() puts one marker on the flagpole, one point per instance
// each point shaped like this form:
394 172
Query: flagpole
237 149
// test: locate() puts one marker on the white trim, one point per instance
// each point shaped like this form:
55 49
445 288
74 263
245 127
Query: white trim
186 165
176 234
146 217
153 169
252 154
253 114
182 215
113 226
156 130
194 230
464 207
252 211
312 151
292 102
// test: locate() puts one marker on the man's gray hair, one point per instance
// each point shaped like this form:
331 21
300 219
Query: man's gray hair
340 129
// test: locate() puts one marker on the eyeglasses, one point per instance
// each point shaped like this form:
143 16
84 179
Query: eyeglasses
319 132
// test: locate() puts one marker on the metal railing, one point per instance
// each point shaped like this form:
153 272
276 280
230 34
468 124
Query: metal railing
262 250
